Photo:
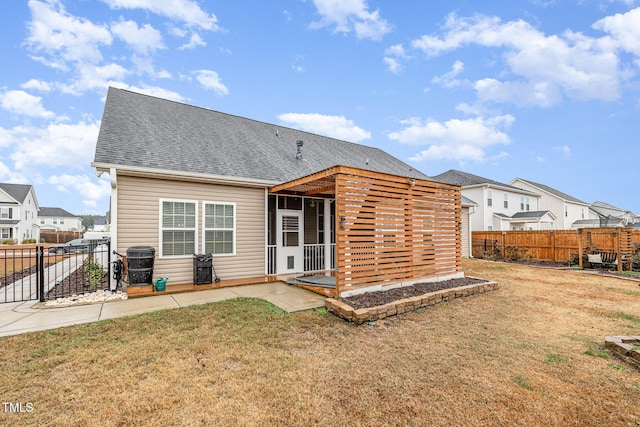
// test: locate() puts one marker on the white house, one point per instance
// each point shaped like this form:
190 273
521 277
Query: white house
606 212
18 212
499 206
58 219
568 211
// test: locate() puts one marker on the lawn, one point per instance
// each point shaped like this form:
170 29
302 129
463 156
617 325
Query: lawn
530 353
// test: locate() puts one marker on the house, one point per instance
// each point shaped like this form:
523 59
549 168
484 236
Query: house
58 219
99 223
608 214
18 213
499 206
468 207
568 211
270 202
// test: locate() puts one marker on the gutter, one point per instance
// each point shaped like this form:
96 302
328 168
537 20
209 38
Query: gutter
183 176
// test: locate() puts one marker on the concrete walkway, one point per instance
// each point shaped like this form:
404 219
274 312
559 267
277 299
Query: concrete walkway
21 317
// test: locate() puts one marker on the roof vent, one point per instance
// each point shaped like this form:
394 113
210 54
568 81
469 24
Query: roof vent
299 143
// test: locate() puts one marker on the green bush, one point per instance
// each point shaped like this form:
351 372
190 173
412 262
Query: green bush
635 262
96 273
28 241
9 242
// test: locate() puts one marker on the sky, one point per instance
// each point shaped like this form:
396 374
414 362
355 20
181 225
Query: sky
544 90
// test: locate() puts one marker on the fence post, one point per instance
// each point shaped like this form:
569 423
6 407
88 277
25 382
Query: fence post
40 272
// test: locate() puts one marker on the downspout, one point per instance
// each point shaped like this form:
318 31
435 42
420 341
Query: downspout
114 220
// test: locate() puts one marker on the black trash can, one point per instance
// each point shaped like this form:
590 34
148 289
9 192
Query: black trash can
140 265
202 269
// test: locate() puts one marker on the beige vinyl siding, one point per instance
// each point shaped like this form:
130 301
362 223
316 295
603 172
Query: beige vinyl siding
139 222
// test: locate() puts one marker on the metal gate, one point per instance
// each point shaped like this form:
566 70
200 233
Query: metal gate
39 273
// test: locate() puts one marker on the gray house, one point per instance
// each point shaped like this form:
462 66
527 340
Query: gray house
265 200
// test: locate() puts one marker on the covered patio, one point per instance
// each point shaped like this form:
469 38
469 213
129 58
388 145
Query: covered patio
390 230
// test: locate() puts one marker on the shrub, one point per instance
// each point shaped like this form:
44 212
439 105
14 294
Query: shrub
28 241
96 273
635 262
513 253
9 242
574 259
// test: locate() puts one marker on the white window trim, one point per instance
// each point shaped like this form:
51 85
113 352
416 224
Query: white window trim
235 226
160 229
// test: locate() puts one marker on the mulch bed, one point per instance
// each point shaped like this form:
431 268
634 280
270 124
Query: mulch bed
373 299
18 275
75 284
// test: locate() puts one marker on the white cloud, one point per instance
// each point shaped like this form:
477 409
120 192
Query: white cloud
194 41
63 37
89 190
545 67
393 57
187 11
624 30
333 126
35 84
143 39
69 145
565 150
210 80
24 104
351 15
454 139
448 79
94 77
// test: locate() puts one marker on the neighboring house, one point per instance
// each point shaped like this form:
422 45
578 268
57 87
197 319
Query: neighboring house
18 212
468 208
58 219
269 201
607 214
565 208
499 206
99 223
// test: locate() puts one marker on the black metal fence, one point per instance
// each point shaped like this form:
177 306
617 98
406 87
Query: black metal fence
41 273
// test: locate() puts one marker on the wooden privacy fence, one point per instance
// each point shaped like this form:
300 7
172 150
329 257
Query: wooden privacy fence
557 245
60 236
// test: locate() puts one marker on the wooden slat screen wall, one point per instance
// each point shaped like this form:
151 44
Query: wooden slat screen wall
395 231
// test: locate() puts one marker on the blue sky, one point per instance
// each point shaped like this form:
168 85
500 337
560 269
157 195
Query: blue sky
545 90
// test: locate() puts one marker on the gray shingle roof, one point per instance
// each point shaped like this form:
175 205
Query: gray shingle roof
57 212
529 214
17 191
560 194
143 131
465 179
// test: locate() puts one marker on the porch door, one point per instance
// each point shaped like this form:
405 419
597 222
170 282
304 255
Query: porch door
290 248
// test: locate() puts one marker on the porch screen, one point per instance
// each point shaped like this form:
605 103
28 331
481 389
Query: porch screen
290 230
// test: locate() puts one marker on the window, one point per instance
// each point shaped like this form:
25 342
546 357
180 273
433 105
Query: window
5 233
6 213
489 198
61 220
527 204
582 213
178 227
490 228
521 203
41 220
566 211
219 228
506 201
55 220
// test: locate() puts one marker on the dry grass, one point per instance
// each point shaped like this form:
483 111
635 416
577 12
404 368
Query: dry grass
530 353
